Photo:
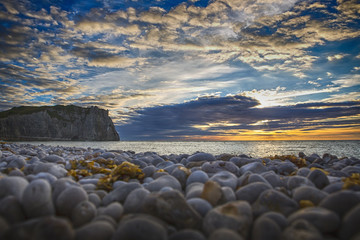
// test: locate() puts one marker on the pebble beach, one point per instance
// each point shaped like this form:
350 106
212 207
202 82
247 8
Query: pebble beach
49 192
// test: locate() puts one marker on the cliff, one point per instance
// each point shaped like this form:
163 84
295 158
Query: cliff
57 123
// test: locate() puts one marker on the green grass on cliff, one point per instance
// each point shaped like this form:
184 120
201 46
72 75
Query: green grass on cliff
52 110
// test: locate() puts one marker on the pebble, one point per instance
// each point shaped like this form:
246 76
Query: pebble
43 228
172 207
228 195
251 191
140 229
301 229
187 234
69 199
298 181
163 181
286 168
119 194
278 218
200 205
272 200
36 199
181 174
272 178
11 210
95 199
236 216
319 178
254 167
201 157
114 210
265 229
225 179
135 200
12 186
197 176
194 190
83 213
309 193
349 227
53 159
18 162
324 220
218 166
212 192
224 233
94 231
340 202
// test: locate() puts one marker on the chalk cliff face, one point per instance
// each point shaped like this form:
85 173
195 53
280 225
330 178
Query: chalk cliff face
57 123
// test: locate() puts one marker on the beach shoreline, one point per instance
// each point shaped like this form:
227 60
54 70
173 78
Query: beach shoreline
123 194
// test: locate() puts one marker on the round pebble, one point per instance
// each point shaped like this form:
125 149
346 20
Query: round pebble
187 234
236 216
251 191
225 179
340 202
12 186
224 233
164 181
36 199
323 219
140 229
272 200
301 229
95 230
265 229
349 227
200 205
197 176
11 210
68 199
319 178
83 213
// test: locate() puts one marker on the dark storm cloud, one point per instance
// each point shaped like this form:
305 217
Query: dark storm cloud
238 112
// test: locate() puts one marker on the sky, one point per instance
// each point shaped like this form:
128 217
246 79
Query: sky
225 70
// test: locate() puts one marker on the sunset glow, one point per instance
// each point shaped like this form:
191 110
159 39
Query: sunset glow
190 69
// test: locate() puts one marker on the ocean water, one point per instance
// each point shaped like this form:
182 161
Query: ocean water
250 148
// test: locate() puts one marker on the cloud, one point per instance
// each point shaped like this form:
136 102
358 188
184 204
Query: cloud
230 115
336 57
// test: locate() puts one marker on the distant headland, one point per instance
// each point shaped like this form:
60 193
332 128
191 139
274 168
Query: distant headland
53 123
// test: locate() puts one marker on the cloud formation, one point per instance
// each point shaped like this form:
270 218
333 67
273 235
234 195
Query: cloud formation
232 115
131 56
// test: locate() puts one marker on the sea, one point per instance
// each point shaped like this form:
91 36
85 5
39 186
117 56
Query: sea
250 148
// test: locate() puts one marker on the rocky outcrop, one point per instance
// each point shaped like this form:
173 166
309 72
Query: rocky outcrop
57 123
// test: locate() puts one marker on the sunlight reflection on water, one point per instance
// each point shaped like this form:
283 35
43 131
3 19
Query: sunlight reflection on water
251 148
